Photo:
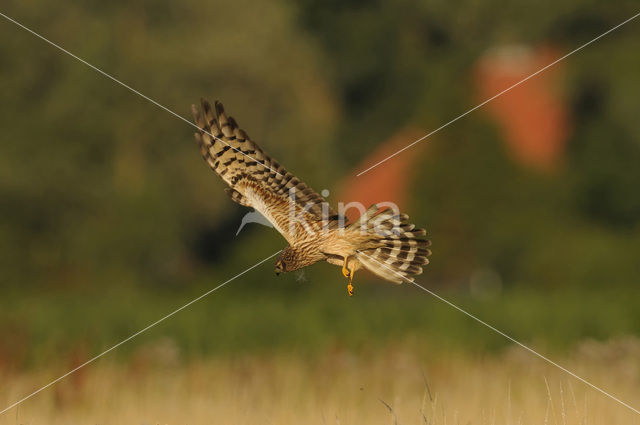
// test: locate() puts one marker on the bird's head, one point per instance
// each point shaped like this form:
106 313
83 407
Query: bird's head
287 261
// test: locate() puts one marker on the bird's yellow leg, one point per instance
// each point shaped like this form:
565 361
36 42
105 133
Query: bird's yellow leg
349 285
345 270
349 275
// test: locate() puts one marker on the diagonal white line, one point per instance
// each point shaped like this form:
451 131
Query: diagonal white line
531 350
109 76
134 335
497 95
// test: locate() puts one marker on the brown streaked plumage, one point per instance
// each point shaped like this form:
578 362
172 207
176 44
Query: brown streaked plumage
379 241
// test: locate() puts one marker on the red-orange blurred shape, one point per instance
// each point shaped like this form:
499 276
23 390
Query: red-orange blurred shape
533 115
389 181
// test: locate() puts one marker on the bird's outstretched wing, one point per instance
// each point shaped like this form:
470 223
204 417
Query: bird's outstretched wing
255 179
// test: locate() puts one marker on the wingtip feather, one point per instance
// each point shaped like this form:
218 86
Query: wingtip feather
219 108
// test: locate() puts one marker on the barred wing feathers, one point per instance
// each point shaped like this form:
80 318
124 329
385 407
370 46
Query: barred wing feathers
254 178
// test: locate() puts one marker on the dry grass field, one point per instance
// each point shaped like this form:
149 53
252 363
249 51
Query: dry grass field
371 386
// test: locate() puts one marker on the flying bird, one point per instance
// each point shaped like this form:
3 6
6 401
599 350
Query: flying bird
380 241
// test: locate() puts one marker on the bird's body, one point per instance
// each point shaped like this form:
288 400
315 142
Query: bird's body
380 241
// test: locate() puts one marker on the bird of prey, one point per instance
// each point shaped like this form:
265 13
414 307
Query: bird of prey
380 241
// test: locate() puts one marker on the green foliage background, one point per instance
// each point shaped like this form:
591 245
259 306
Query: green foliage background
109 219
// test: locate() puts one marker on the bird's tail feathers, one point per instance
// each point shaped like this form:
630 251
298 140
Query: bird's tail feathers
393 248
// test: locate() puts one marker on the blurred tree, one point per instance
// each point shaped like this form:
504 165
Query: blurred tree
98 185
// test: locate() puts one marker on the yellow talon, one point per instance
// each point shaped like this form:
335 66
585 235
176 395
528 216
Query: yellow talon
345 270
349 275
